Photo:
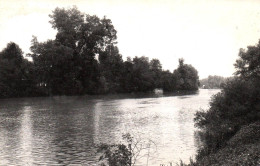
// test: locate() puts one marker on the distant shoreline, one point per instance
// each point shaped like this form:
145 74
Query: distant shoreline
149 94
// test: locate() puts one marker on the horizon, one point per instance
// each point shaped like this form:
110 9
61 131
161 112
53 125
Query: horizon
207 34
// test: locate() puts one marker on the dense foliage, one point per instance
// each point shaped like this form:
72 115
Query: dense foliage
242 149
84 59
16 73
117 154
237 105
186 77
213 82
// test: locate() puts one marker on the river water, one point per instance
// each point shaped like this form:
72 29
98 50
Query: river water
66 130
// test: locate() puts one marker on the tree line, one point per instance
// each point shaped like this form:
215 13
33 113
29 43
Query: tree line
84 59
213 82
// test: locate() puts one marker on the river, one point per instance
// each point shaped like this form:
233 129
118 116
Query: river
65 130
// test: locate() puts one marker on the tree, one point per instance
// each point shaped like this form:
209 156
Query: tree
68 64
248 64
143 77
68 24
186 77
167 81
156 69
213 82
111 64
15 72
127 76
87 37
54 68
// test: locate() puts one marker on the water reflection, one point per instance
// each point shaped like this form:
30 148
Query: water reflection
65 130
26 137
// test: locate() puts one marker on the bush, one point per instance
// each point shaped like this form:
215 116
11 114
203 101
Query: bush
242 149
127 154
235 106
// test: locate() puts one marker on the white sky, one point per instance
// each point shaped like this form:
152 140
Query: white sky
206 33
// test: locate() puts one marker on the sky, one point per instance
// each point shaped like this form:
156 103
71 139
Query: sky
206 33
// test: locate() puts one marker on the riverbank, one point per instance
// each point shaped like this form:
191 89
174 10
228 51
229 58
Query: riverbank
242 149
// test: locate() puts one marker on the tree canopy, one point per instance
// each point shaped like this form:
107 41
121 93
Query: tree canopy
186 76
15 73
248 64
84 59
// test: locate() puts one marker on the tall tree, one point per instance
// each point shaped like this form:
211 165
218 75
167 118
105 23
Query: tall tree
111 64
186 77
168 84
143 77
156 69
72 55
248 64
54 68
127 76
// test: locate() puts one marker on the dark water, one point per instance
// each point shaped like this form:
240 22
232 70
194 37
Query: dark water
65 130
